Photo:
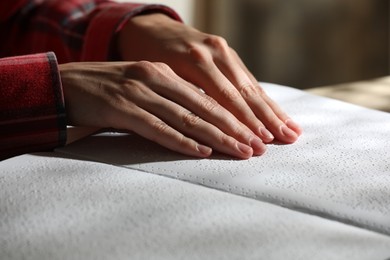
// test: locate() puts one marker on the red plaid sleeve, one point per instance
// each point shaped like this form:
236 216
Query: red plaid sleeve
32 111
76 30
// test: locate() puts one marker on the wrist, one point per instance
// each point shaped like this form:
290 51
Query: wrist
134 29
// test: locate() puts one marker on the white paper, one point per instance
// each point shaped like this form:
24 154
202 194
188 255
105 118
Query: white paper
339 169
52 207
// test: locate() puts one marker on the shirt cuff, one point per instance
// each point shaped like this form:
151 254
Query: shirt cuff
110 19
32 107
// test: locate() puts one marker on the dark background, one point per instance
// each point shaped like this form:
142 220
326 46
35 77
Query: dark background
304 43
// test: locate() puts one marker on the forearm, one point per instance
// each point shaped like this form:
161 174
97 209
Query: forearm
80 30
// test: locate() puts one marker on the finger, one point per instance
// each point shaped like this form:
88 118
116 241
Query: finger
209 77
187 123
278 111
274 106
257 99
193 126
181 92
151 127
209 110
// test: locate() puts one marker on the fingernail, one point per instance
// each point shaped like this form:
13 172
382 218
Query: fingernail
266 135
258 146
204 150
244 149
287 132
294 126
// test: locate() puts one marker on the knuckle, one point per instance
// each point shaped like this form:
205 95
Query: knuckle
143 69
183 141
248 91
208 104
164 72
216 42
198 55
226 140
190 120
163 66
238 131
151 72
231 95
159 127
218 47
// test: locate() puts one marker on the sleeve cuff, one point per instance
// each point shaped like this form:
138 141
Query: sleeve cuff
32 109
104 26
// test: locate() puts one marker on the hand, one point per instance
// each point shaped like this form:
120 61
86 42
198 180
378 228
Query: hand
151 100
209 63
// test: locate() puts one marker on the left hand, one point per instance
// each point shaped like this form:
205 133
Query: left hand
208 62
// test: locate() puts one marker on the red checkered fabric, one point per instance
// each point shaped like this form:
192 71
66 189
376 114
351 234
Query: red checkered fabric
32 109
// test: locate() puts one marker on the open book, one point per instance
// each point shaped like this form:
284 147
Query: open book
119 196
339 169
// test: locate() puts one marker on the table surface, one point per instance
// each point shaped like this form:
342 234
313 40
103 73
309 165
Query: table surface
373 93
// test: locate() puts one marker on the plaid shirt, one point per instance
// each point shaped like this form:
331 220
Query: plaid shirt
32 109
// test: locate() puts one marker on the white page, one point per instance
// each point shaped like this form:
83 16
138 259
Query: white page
58 208
339 169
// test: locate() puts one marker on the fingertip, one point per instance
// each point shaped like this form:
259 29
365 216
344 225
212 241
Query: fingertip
204 151
265 135
258 146
245 151
294 126
289 136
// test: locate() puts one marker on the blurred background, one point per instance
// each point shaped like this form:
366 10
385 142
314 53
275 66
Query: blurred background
299 43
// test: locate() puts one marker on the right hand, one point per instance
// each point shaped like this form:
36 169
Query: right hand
151 100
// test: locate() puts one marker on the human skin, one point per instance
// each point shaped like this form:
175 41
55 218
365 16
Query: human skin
151 100
184 89
209 63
